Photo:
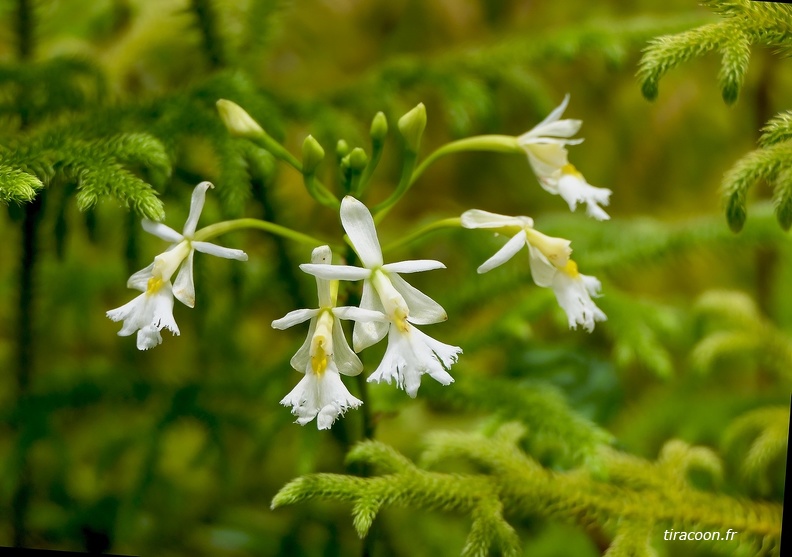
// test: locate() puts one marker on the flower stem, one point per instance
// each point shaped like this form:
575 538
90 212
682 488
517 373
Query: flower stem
453 222
224 227
496 143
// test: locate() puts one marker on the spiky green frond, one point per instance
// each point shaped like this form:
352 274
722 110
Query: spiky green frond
767 432
744 23
740 330
513 484
17 186
771 164
777 130
554 426
99 167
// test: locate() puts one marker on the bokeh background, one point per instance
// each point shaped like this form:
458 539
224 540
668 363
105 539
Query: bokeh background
179 450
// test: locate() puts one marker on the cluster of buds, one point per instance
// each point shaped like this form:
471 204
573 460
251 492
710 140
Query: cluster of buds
389 305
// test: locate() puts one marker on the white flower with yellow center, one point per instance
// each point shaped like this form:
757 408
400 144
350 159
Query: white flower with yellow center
545 146
152 311
410 353
550 264
324 355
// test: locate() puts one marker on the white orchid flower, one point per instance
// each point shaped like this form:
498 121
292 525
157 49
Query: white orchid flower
550 262
410 353
152 311
324 355
545 146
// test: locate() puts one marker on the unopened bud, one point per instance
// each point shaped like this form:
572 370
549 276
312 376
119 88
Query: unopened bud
357 159
238 122
342 148
313 154
379 127
412 126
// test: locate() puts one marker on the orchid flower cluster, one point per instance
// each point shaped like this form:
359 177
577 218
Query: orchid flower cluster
389 306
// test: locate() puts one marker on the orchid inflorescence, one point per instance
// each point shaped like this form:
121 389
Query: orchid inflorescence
389 305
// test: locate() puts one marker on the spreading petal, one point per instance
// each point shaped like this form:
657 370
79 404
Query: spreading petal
423 309
359 314
359 226
574 297
294 317
323 397
413 266
335 272
196 206
345 358
574 189
476 218
161 231
302 358
220 251
508 251
139 280
367 333
184 286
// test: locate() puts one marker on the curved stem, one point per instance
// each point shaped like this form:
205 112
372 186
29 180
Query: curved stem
224 227
453 222
498 143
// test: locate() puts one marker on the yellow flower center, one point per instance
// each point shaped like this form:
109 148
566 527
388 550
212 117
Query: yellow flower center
400 319
571 269
569 168
154 285
318 356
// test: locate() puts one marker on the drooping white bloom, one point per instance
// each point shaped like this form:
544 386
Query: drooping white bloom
550 262
573 292
152 311
545 146
410 353
324 355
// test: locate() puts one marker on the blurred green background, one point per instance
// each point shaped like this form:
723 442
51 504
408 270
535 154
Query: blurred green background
179 450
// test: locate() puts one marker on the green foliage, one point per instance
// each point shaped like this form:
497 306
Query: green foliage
738 329
767 433
630 496
744 23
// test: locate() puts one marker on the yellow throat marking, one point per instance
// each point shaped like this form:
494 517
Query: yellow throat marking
569 168
318 357
154 285
571 269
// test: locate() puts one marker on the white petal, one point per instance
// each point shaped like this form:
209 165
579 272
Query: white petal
574 298
183 286
508 251
294 317
359 314
413 266
196 206
325 289
335 272
423 309
162 310
367 333
556 113
359 226
302 358
322 397
139 280
345 358
560 128
220 251
476 218
131 313
148 337
542 270
546 159
574 189
161 231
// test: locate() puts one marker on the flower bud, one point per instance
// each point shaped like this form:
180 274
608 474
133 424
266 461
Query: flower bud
313 154
238 122
412 126
342 149
357 159
379 127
